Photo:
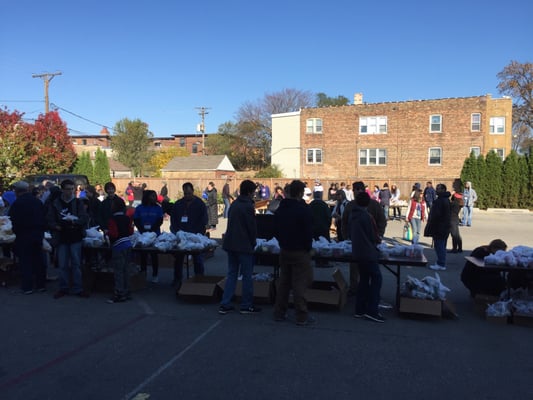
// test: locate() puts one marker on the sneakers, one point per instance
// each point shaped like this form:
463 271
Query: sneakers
28 291
309 321
155 279
357 315
384 305
117 299
437 267
225 309
250 310
376 318
281 318
59 294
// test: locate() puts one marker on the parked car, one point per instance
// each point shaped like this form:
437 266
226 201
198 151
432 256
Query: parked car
36 180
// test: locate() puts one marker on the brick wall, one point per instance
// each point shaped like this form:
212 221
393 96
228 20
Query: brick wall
407 140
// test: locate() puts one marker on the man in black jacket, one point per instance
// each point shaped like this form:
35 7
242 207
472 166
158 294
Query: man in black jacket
293 223
375 210
27 218
439 225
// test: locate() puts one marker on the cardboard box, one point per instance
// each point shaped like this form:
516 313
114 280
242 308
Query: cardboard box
421 306
481 301
498 320
201 286
522 319
263 290
329 293
104 281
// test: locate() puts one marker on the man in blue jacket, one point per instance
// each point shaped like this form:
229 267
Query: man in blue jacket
189 214
293 223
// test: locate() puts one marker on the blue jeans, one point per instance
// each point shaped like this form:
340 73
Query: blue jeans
440 250
69 260
246 263
226 207
416 224
386 211
368 290
467 215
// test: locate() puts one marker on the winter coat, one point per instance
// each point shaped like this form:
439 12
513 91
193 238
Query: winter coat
439 220
241 232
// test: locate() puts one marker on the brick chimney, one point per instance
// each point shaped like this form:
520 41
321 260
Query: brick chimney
104 131
358 98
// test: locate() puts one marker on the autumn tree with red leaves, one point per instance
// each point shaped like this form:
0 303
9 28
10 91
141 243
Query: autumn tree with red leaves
43 147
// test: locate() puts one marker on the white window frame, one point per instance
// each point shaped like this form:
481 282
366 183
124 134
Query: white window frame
431 123
313 125
430 156
373 125
497 126
475 122
315 153
476 150
372 157
500 152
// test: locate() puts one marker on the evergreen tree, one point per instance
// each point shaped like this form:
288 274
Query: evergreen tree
493 179
101 168
511 177
481 185
84 166
524 190
530 179
469 170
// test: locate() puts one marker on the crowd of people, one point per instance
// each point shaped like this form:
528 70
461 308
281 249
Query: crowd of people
300 214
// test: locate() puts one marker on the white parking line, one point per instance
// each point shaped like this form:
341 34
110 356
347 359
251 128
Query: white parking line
169 363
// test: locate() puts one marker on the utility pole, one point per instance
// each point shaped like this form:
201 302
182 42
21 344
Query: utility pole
202 112
47 77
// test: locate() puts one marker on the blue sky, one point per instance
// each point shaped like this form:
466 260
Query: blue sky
158 60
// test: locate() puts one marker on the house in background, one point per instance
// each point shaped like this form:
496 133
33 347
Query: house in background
392 141
206 167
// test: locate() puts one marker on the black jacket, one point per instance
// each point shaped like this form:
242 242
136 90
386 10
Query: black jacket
439 220
293 225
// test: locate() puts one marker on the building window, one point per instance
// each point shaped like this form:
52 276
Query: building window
84 142
475 122
314 156
74 141
195 148
372 125
182 142
497 125
372 157
435 123
313 125
157 144
500 153
476 150
435 156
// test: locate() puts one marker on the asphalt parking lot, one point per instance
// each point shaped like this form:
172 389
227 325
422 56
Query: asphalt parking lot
160 347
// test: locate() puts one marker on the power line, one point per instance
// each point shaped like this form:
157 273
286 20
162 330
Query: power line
55 106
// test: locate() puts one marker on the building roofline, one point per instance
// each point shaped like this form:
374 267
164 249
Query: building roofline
411 101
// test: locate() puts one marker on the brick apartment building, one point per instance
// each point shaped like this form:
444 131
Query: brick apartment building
89 143
408 141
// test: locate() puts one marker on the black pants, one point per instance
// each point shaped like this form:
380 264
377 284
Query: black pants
457 241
